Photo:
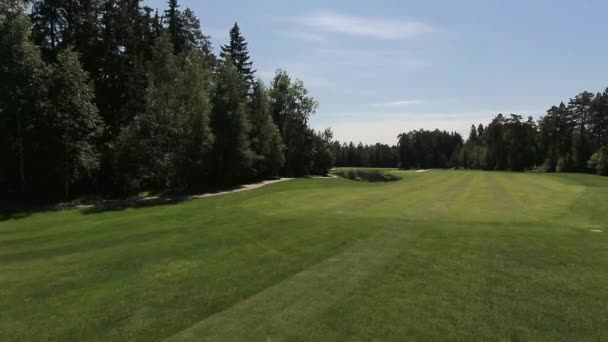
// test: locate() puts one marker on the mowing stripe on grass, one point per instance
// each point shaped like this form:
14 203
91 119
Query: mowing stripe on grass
279 308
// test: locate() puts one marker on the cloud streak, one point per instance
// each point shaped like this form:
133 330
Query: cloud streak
383 29
399 103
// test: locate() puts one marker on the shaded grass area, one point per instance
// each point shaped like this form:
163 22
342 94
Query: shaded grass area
437 255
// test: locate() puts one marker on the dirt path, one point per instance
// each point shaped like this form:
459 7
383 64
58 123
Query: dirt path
152 200
245 187
418 171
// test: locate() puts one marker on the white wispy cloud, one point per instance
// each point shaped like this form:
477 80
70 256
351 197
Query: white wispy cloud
386 29
399 103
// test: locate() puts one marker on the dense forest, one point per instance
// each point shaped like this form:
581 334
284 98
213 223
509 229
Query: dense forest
571 137
112 97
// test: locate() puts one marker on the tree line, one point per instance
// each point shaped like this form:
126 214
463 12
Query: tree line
571 137
376 155
109 96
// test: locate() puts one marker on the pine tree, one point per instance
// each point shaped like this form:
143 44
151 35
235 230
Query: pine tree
62 24
581 109
599 119
175 25
193 38
473 137
121 76
237 51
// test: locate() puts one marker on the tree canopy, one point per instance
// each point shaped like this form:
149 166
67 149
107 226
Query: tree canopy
113 97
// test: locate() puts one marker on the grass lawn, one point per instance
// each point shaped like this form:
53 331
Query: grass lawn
434 256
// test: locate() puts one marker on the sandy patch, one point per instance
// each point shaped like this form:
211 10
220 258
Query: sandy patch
245 187
150 200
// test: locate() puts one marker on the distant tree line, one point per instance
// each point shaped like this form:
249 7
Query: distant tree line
428 149
571 137
418 149
378 155
109 96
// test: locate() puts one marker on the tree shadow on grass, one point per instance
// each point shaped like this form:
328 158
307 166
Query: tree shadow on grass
17 212
25 211
21 211
166 199
119 205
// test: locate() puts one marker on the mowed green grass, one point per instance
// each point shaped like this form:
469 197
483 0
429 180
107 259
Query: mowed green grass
439 255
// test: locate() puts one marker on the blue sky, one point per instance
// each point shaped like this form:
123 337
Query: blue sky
379 68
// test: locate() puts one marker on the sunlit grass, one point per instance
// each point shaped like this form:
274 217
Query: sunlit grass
436 255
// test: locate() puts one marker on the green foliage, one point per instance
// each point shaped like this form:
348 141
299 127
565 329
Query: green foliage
232 154
11 8
291 107
184 30
237 52
22 100
323 154
561 141
377 155
428 149
74 120
169 142
581 107
194 39
22 94
264 136
599 161
111 96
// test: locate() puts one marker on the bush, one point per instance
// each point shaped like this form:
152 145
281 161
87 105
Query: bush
599 161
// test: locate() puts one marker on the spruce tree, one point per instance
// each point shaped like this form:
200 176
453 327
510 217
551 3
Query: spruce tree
192 35
237 52
175 25
580 107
